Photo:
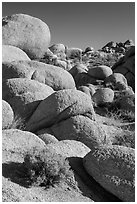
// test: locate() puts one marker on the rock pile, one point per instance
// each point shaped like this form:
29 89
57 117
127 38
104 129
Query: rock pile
58 98
115 47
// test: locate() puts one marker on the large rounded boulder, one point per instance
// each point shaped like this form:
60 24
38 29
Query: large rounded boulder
53 76
14 140
28 33
69 148
60 106
103 96
24 95
7 115
114 168
81 128
12 53
100 72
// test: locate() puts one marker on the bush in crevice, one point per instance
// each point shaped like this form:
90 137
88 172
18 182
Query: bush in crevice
46 168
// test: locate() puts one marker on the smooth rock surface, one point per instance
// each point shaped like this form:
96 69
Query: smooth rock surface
12 53
28 33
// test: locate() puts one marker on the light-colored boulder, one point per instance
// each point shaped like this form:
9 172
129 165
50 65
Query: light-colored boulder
14 140
56 48
103 96
69 148
113 167
28 33
46 137
100 72
83 129
24 95
12 53
7 115
60 106
92 88
61 64
59 50
53 76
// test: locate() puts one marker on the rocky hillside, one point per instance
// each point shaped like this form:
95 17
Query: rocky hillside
68 118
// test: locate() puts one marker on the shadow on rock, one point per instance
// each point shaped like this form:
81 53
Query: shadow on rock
16 172
96 192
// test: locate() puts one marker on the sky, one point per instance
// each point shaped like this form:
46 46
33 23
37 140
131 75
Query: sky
81 24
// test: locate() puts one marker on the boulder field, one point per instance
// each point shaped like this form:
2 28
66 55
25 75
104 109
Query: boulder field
56 99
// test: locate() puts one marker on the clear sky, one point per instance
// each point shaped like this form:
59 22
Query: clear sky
81 24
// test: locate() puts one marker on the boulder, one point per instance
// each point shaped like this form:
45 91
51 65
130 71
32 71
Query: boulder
77 69
127 103
7 115
79 73
14 140
128 43
28 33
83 129
60 106
116 81
113 167
24 95
89 49
126 66
82 79
53 76
15 184
92 88
69 148
130 52
60 63
100 72
103 96
72 53
84 89
12 53
46 137
59 50
89 90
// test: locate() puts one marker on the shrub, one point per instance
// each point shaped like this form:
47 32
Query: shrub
46 168
125 138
